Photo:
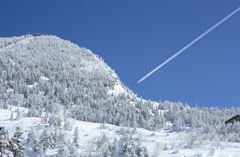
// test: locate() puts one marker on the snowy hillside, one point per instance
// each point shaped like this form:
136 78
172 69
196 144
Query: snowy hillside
68 102
165 143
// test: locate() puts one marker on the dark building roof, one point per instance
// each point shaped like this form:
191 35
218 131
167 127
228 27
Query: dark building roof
233 119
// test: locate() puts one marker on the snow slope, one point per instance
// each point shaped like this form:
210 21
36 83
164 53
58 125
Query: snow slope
164 143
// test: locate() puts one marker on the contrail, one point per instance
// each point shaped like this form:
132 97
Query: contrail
190 44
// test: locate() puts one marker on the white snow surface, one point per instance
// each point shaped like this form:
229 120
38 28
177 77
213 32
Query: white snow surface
118 89
163 143
43 78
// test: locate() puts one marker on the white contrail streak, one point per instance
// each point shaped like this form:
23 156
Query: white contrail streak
190 44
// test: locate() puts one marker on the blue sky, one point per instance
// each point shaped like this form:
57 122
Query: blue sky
135 36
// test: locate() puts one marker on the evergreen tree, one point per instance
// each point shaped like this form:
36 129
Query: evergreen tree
5 105
73 151
67 124
103 146
30 136
41 152
76 137
115 148
11 118
63 151
103 125
18 133
46 140
18 114
61 139
10 146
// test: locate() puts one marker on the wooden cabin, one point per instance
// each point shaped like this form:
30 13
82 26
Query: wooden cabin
233 120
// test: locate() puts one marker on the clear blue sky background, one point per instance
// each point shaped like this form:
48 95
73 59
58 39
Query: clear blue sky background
135 36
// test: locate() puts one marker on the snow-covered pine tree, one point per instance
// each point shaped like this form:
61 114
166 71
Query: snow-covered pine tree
11 117
18 133
104 147
130 146
115 148
61 141
103 125
76 137
10 146
67 123
73 151
41 151
63 151
18 116
5 105
46 140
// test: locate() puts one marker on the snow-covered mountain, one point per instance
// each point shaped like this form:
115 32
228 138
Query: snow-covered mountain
46 70
67 102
